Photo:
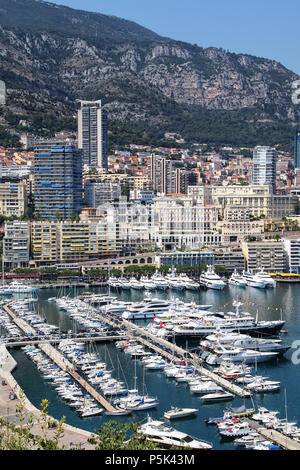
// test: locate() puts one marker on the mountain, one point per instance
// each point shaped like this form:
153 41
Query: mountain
51 55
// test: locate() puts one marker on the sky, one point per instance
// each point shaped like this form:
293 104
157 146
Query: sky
264 28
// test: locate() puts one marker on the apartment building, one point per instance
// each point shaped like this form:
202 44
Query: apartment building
57 180
13 198
269 255
292 249
93 133
16 244
96 194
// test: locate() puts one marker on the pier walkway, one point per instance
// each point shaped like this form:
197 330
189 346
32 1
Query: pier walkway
96 339
277 437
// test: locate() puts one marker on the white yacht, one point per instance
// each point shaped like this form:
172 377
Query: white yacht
148 284
237 280
219 396
160 282
136 402
263 415
237 430
124 283
203 388
157 431
146 309
114 282
17 287
135 284
246 356
211 280
174 281
269 281
189 283
253 280
236 339
175 413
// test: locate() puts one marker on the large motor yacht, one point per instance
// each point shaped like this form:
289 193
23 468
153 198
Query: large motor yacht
253 280
211 280
245 356
266 278
146 309
237 280
166 436
160 282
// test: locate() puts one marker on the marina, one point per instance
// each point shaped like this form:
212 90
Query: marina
186 400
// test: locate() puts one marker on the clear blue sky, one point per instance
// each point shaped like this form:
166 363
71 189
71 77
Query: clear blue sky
265 28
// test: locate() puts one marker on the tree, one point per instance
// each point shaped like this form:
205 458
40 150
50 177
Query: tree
75 218
20 436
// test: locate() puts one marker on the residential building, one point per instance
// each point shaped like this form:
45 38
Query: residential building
237 225
230 259
70 242
57 181
13 198
2 92
162 173
292 249
141 196
93 133
269 255
297 150
16 244
264 166
96 194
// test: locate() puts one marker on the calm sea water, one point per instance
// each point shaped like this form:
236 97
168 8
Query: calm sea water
268 304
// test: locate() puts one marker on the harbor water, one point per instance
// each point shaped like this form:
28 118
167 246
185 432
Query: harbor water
267 304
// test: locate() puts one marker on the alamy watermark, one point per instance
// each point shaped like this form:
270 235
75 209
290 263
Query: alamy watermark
295 359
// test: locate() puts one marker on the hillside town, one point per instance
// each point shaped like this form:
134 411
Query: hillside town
67 200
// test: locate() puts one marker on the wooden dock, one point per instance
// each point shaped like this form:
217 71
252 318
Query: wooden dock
277 437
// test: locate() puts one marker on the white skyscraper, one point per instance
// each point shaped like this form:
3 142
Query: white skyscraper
2 92
92 133
264 166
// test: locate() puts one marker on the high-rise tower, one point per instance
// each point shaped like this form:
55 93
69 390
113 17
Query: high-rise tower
57 180
264 166
92 133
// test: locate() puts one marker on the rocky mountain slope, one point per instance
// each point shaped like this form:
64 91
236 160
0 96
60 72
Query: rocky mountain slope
51 55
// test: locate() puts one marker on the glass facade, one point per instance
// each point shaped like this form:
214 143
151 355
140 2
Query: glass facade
297 150
92 133
57 181
264 166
